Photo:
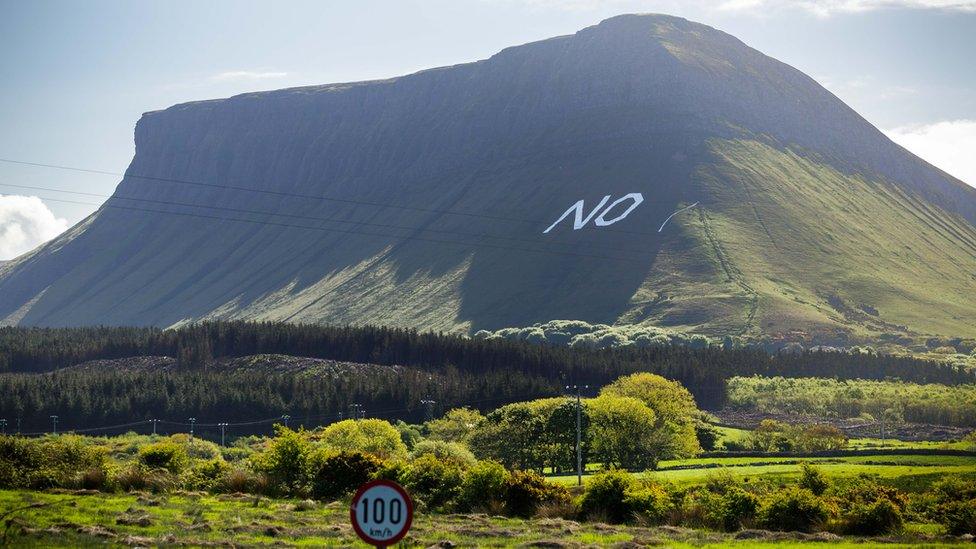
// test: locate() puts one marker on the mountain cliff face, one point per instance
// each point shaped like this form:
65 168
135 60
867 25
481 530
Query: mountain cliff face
424 201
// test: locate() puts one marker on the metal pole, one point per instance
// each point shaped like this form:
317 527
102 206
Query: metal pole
54 420
154 426
579 433
193 421
222 427
429 404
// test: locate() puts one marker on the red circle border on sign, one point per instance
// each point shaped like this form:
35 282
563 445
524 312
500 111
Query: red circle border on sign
355 524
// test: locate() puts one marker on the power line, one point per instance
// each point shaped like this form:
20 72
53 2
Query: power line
299 216
271 420
364 233
294 195
263 191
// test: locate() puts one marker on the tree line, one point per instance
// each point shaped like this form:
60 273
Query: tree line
451 369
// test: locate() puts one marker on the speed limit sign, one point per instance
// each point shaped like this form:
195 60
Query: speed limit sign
381 513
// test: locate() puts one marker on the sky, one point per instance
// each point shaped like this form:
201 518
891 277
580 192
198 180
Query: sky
77 76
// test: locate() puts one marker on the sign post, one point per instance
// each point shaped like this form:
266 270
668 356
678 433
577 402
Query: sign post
381 513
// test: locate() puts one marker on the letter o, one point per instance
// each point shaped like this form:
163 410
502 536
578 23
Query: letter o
636 197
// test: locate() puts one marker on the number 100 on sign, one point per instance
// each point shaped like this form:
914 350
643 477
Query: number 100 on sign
381 513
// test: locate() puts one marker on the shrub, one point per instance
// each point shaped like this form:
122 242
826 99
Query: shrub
738 509
19 458
793 509
813 479
236 480
525 491
484 486
373 436
436 483
650 502
958 517
444 451
285 462
871 519
699 508
137 477
392 470
47 463
164 455
617 497
206 475
335 475
93 479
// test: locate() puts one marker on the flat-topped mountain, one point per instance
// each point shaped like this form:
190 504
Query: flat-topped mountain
537 184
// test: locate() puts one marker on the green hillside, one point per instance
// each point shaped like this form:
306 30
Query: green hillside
423 201
789 245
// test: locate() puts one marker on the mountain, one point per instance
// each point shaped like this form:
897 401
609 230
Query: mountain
424 201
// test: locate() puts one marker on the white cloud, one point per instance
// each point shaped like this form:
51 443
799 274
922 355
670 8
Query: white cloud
25 222
820 8
949 145
237 76
826 8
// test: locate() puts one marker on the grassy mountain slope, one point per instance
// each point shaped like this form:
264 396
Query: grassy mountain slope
797 247
810 222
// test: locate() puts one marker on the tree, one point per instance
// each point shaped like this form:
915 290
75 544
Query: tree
674 409
456 425
372 436
623 433
511 435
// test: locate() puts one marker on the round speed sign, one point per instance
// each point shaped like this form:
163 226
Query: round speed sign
381 512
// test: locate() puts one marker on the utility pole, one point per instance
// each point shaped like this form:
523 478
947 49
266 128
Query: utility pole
355 411
3 424
579 431
193 421
882 430
154 425
285 419
429 404
222 427
54 420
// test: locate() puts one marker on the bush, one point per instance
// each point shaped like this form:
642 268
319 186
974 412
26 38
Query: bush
872 519
650 502
285 462
335 475
813 479
236 479
793 509
93 479
525 491
164 455
54 462
206 475
699 508
444 451
958 517
373 436
436 483
484 486
738 509
137 477
617 497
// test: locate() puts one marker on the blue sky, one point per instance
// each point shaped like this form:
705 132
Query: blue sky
76 76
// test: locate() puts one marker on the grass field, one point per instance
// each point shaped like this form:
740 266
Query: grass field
910 473
76 519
